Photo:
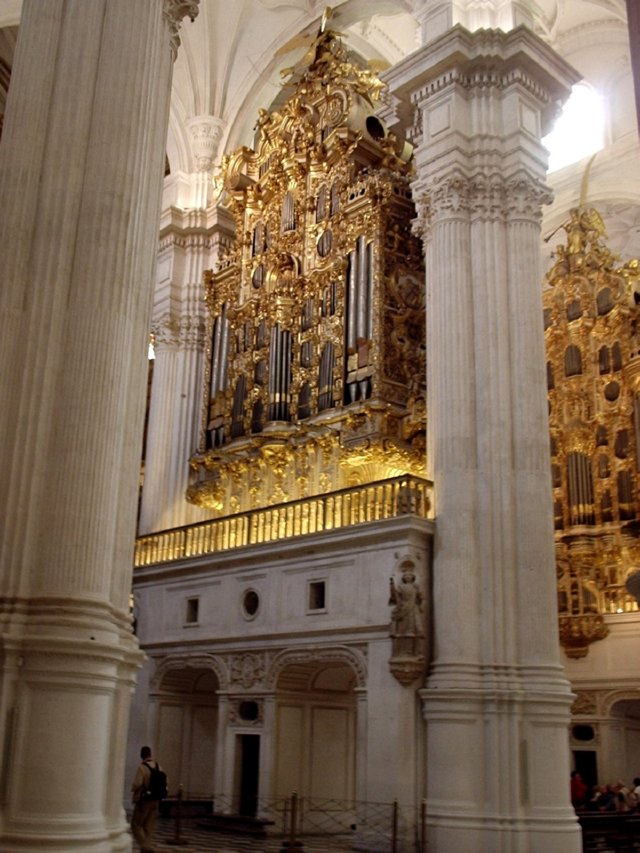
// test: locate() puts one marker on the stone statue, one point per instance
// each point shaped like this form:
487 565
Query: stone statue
407 626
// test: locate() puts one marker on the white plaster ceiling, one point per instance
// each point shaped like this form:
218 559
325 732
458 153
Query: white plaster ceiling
231 56
228 65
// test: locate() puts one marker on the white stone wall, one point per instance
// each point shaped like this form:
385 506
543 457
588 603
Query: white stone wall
349 637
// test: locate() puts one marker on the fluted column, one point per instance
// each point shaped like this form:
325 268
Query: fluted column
190 241
496 699
81 165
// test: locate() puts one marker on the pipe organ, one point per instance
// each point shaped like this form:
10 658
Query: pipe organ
593 373
315 376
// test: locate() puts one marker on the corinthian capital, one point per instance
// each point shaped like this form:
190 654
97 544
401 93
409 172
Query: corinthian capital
525 197
174 11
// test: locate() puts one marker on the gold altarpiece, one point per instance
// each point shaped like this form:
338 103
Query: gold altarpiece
315 366
593 375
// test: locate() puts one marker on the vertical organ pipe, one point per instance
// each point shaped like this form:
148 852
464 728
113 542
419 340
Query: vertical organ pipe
361 288
215 356
287 376
272 370
368 333
351 299
224 350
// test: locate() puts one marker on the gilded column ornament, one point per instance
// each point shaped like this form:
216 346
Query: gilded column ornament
174 11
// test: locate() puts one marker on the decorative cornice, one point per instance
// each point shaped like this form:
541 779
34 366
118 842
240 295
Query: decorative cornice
173 12
194 240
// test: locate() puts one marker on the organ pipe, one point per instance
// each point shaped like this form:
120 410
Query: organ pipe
224 350
351 299
369 295
361 307
219 353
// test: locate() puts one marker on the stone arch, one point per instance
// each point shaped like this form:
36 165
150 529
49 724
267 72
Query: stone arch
354 658
193 662
616 696
184 698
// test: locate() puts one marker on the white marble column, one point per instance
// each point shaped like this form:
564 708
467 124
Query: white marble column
190 242
81 165
496 701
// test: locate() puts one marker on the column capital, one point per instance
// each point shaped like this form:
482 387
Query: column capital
205 133
174 11
185 332
489 196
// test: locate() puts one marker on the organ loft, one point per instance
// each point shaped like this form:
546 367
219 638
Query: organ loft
315 371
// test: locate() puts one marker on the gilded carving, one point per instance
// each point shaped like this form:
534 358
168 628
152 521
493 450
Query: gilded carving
315 352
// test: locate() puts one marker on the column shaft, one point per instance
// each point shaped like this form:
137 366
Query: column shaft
81 167
496 699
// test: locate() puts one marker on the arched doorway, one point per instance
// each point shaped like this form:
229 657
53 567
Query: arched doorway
186 728
621 740
315 732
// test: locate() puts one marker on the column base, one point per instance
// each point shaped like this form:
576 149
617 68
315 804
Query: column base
498 760
67 671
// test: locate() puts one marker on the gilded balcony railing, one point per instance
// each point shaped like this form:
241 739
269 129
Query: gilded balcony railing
384 499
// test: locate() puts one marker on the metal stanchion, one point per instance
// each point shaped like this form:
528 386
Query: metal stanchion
292 843
177 840
394 828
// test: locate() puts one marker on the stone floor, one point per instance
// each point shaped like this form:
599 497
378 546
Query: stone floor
194 839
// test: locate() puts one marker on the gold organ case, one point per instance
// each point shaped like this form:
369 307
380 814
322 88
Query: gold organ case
593 375
315 367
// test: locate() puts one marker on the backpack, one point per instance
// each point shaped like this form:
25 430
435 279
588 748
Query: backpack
157 785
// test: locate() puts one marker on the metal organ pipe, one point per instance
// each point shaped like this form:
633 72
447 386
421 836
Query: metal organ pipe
369 294
351 299
219 353
361 326
224 350
273 374
285 374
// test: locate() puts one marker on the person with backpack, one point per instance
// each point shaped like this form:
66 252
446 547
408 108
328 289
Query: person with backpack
149 786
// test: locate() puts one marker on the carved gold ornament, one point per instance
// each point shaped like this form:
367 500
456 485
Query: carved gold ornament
315 365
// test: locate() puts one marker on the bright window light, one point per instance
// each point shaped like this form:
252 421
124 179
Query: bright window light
579 131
